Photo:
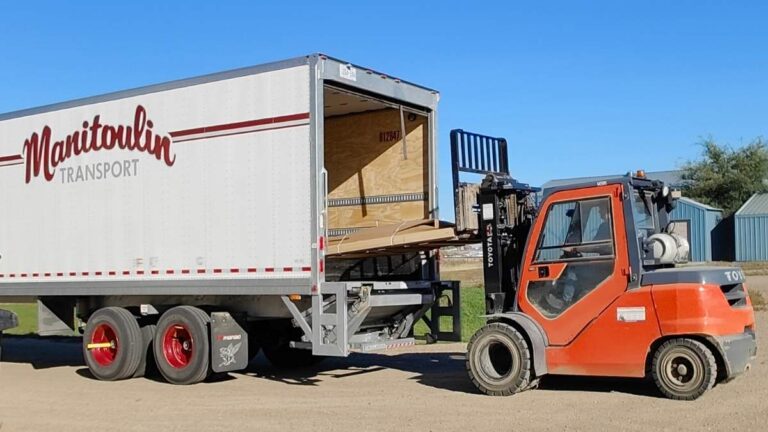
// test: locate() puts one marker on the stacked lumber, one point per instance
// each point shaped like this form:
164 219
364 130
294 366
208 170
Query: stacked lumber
408 235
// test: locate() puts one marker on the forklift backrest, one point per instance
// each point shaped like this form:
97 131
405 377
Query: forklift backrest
473 153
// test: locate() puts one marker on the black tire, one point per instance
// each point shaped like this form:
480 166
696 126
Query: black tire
181 346
684 369
118 327
277 349
254 344
499 360
284 357
147 363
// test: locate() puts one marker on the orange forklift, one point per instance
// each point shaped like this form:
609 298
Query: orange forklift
591 282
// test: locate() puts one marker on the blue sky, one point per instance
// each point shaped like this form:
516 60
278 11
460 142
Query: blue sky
578 88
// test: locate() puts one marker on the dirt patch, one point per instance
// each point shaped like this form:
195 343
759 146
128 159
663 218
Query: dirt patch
46 387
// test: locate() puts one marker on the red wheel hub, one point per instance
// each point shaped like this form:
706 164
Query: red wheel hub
104 333
178 346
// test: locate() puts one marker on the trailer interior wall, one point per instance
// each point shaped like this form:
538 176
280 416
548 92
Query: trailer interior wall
374 176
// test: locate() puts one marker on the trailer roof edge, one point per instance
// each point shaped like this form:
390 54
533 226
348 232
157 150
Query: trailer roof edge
187 82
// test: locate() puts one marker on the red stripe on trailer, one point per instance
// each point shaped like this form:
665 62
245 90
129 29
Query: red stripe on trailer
217 270
139 272
234 270
12 275
23 275
84 273
59 274
170 272
47 275
98 273
269 269
73 273
113 273
11 158
35 274
252 270
200 271
239 125
287 269
306 269
184 271
126 272
155 272
234 133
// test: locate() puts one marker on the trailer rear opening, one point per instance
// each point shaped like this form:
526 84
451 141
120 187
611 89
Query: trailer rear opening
288 207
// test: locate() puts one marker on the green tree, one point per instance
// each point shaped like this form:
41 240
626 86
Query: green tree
725 177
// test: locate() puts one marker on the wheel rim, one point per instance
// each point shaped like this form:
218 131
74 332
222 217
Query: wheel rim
104 333
178 346
682 370
498 360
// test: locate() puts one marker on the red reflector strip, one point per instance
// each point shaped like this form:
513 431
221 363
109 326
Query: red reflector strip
252 270
217 270
269 269
234 270
170 272
287 269
155 272
306 269
200 271
184 271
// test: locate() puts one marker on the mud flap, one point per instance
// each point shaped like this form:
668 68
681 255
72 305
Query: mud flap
229 343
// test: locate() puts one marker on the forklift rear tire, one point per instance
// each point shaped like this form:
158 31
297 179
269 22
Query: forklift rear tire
684 369
499 360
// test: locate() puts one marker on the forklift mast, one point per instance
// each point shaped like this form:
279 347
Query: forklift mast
504 210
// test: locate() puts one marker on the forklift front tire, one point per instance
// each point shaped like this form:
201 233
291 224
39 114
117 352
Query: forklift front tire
499 360
684 369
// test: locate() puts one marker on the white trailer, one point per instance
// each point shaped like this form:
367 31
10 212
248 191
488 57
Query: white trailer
192 218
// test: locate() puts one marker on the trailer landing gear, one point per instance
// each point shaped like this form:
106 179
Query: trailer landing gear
112 344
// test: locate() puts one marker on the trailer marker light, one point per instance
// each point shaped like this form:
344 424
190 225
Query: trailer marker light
294 297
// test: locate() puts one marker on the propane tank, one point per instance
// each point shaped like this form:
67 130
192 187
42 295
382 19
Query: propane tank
667 248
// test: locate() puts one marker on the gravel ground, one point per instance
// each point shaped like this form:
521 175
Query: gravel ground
45 386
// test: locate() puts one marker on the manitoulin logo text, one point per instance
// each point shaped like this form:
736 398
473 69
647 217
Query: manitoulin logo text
43 156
